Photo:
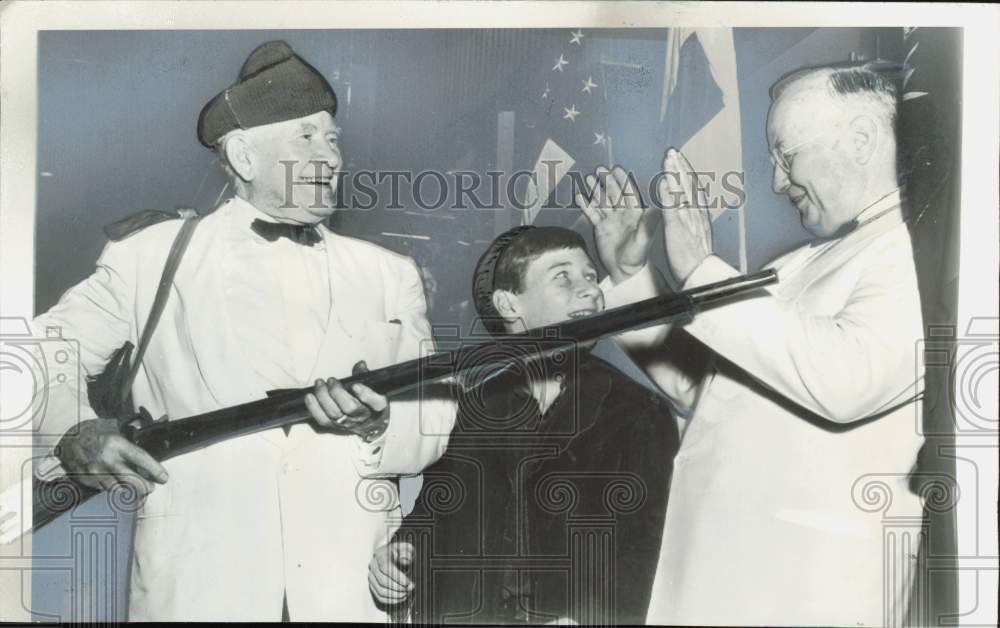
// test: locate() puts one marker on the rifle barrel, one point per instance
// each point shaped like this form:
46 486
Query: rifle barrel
169 439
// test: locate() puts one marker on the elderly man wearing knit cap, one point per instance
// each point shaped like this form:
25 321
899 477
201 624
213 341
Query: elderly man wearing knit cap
265 296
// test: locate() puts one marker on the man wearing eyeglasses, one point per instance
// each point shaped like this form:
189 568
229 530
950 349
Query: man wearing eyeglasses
804 400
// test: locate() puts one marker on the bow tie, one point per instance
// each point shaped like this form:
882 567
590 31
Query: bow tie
300 234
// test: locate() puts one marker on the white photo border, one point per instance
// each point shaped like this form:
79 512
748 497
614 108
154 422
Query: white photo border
20 23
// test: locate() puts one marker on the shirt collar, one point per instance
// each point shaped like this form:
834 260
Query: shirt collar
889 206
514 380
889 201
243 213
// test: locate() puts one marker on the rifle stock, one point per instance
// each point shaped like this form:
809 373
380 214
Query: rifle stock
169 439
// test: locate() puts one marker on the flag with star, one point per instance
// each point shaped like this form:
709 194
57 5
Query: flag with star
607 96
564 112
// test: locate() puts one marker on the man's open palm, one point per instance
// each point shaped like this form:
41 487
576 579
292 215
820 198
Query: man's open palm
623 227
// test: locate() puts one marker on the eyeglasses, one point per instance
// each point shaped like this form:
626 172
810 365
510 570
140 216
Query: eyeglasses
780 157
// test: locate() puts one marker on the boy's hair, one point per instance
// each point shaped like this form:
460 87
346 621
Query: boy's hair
506 260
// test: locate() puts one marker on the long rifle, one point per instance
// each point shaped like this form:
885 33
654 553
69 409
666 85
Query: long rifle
169 439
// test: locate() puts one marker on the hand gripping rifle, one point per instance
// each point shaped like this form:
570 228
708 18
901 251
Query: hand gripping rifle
169 439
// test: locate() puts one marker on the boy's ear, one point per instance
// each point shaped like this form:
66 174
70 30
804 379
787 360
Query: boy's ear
506 305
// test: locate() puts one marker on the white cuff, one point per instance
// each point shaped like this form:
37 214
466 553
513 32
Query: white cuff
711 269
369 455
49 468
641 285
705 325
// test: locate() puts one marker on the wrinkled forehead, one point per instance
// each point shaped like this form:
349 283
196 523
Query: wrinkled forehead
319 122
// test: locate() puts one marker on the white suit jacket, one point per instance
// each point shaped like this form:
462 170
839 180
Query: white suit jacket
240 522
784 474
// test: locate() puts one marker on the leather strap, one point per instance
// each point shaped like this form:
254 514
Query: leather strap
162 294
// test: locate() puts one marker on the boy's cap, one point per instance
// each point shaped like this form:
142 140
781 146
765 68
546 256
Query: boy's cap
484 277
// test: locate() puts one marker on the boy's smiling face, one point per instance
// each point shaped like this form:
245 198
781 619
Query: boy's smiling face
557 285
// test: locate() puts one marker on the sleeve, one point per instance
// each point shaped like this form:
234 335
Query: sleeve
843 367
420 422
670 359
81 332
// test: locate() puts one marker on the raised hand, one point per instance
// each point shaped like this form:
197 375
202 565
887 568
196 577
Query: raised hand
623 227
686 224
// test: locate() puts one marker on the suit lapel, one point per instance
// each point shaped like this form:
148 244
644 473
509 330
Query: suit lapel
340 338
354 297
200 284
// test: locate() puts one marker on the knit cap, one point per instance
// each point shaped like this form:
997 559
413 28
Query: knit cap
274 85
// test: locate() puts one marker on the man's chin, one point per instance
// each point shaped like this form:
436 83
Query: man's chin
317 198
812 226
322 209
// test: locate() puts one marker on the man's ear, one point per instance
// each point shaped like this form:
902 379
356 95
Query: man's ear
864 138
239 156
507 305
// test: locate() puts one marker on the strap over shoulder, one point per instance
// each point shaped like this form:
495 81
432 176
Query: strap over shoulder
112 389
125 227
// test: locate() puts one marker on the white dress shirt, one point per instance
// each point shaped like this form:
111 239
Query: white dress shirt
284 328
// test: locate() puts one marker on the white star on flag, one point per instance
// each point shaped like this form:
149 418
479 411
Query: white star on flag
600 139
560 62
589 84
571 113
577 38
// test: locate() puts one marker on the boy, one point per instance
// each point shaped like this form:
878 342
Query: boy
550 500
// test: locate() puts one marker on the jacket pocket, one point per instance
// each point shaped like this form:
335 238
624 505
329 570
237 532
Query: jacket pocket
381 343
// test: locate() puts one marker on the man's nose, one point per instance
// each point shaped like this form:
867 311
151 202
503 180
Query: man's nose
779 180
329 154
